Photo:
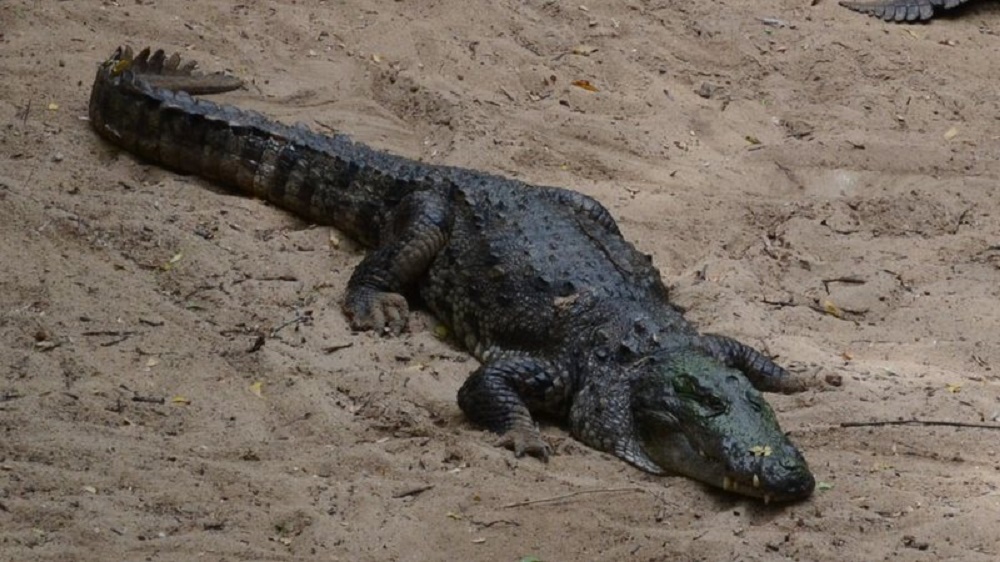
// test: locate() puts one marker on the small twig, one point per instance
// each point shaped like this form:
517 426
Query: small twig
107 333
258 343
116 341
780 304
303 318
574 494
960 221
326 126
926 423
290 278
149 399
337 347
847 280
488 524
120 336
413 491
24 113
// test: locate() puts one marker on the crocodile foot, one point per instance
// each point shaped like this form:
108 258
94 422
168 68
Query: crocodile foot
375 310
524 440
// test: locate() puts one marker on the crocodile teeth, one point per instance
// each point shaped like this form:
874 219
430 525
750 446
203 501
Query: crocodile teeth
767 499
756 481
702 453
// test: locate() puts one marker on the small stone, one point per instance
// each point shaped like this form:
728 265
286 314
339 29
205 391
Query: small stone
707 90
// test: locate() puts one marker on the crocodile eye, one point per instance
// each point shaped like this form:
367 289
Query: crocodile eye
755 401
688 387
713 403
685 386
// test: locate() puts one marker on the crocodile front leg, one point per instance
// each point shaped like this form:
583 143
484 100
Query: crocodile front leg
501 395
416 231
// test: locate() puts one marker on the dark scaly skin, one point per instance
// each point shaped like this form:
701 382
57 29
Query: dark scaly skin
902 10
566 317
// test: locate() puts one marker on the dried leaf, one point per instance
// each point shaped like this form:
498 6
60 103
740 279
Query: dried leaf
584 50
46 345
824 486
257 388
585 84
954 387
53 107
180 401
951 133
832 309
172 261
152 362
90 489
752 139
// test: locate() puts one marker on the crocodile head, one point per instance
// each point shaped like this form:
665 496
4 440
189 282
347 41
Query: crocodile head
697 417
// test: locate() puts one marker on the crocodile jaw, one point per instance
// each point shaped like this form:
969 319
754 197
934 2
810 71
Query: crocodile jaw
764 477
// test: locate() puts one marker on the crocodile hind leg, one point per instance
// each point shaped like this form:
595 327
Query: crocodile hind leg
416 231
900 10
764 374
501 395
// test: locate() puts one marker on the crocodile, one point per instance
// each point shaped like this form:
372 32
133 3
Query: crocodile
901 10
568 320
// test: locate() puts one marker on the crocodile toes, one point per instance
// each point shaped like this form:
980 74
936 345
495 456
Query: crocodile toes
378 311
525 441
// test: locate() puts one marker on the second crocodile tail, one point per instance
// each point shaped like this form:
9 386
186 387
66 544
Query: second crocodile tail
901 10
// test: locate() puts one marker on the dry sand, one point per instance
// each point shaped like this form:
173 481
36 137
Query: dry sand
824 189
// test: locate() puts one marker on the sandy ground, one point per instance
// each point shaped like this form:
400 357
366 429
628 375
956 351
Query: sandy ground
824 188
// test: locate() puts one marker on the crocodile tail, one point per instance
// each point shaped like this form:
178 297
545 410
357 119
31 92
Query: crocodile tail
142 103
900 10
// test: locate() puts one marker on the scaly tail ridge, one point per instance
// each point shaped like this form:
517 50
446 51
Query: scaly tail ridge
167 72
